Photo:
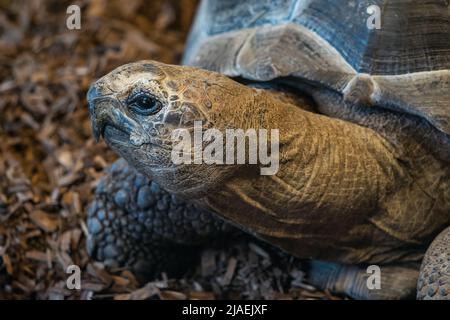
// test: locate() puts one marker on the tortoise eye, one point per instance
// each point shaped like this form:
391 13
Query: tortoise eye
144 104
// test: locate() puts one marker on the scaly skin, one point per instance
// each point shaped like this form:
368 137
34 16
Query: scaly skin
134 223
343 192
434 280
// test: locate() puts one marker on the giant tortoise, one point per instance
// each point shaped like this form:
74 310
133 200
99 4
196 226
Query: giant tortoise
363 121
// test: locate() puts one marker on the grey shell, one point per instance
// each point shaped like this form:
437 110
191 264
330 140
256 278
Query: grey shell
403 66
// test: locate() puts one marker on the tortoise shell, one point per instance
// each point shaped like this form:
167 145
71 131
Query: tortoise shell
403 66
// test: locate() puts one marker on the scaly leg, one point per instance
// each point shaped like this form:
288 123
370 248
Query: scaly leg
434 279
133 223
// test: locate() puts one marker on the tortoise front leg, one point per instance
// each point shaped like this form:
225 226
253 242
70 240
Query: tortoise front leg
133 223
434 278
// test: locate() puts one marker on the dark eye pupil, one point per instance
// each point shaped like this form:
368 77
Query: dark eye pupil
145 104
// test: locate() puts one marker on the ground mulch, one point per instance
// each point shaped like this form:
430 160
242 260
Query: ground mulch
50 164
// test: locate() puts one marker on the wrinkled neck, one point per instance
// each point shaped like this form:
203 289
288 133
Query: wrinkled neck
331 177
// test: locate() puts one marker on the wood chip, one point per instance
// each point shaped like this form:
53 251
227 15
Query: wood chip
37 255
172 295
232 263
44 221
93 286
258 250
208 263
201 295
8 264
121 281
143 293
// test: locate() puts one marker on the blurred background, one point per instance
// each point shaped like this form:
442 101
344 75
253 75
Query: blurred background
49 163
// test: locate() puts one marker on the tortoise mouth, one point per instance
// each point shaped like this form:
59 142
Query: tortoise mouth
113 134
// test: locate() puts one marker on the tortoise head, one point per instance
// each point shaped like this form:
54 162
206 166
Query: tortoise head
138 107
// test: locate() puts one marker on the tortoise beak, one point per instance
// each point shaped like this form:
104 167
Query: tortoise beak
106 109
91 96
